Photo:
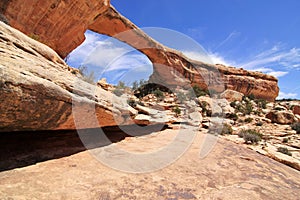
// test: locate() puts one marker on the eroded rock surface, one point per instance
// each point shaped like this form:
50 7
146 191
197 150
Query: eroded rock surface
38 89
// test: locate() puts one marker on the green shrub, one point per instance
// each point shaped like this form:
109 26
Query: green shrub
159 94
261 103
250 136
248 108
204 106
245 109
296 127
233 116
176 110
197 91
284 150
239 108
257 112
285 140
248 97
248 120
132 102
233 104
226 130
118 92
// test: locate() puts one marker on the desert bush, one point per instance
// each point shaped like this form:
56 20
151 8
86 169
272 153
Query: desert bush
197 91
284 150
233 104
233 116
248 120
249 97
250 136
118 92
226 130
204 105
176 110
245 109
285 140
159 94
261 103
248 108
296 127
132 102
256 112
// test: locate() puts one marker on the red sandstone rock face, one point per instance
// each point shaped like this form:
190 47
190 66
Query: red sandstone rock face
61 25
58 23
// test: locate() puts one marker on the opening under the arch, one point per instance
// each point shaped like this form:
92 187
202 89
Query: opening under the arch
111 59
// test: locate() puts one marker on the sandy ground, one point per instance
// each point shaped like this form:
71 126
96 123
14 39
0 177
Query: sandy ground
229 171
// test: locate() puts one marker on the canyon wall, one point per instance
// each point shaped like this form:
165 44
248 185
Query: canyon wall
61 25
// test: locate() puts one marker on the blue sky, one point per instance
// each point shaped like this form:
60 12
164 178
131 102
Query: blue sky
256 35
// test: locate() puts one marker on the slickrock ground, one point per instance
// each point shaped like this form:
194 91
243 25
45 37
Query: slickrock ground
228 172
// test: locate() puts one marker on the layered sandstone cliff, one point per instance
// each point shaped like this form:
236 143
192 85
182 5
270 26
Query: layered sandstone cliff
61 25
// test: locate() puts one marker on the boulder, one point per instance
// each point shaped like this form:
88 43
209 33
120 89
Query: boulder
142 119
296 109
281 117
195 118
146 110
231 95
103 84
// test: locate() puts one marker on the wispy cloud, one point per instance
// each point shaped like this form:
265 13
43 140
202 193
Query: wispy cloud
278 55
283 95
230 37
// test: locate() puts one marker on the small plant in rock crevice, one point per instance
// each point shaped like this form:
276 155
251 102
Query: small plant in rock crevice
250 136
118 92
284 150
226 130
248 120
177 110
296 127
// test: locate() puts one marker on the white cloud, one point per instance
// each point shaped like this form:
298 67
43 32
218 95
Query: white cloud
277 55
218 59
277 74
283 95
92 40
212 58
